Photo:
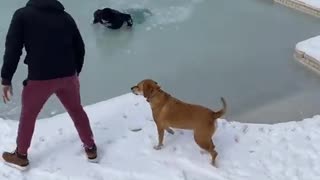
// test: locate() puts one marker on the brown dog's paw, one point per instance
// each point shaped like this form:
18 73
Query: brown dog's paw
214 164
158 147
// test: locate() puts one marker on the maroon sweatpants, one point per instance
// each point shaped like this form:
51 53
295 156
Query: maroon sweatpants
34 96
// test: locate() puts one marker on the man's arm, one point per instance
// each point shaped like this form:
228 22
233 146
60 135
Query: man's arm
13 48
79 48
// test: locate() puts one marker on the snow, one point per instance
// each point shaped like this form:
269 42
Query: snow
312 3
125 134
310 47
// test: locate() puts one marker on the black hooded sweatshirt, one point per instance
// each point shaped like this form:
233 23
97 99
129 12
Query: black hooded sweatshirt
51 38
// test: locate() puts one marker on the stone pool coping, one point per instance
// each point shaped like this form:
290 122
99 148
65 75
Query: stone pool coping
301 6
305 52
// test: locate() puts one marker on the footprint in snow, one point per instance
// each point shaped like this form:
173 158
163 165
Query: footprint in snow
110 141
136 129
151 137
41 139
258 142
6 176
308 138
60 131
174 149
236 138
283 140
245 129
262 130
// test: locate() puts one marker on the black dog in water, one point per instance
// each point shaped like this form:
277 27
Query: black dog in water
112 18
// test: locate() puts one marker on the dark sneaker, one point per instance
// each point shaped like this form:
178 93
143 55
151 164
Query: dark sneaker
92 153
16 160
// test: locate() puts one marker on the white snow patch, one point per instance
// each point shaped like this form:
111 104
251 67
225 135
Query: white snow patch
310 47
312 3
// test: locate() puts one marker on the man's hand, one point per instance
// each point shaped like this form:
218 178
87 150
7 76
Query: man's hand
6 93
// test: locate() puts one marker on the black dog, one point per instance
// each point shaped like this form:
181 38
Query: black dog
112 18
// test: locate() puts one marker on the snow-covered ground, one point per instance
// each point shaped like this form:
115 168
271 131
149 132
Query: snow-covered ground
125 134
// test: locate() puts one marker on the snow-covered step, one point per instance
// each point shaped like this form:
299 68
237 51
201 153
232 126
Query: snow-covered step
307 52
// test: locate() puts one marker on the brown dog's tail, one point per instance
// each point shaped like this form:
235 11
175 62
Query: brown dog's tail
223 110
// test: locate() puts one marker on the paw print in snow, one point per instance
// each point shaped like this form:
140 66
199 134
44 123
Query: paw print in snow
308 138
109 141
150 137
136 129
283 140
258 142
6 176
97 123
60 131
236 139
174 149
261 130
41 139
125 116
245 129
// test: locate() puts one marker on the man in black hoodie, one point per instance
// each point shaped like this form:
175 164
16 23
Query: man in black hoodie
55 55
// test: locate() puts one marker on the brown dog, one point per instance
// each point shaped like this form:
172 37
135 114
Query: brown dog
169 112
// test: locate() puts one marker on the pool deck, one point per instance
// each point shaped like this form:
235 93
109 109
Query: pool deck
311 7
307 52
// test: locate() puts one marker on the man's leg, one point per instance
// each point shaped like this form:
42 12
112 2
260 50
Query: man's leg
69 95
34 96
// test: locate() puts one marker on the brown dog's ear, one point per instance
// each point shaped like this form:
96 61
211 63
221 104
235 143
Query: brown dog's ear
147 90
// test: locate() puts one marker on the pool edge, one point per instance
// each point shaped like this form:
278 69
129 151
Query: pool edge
300 6
307 60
